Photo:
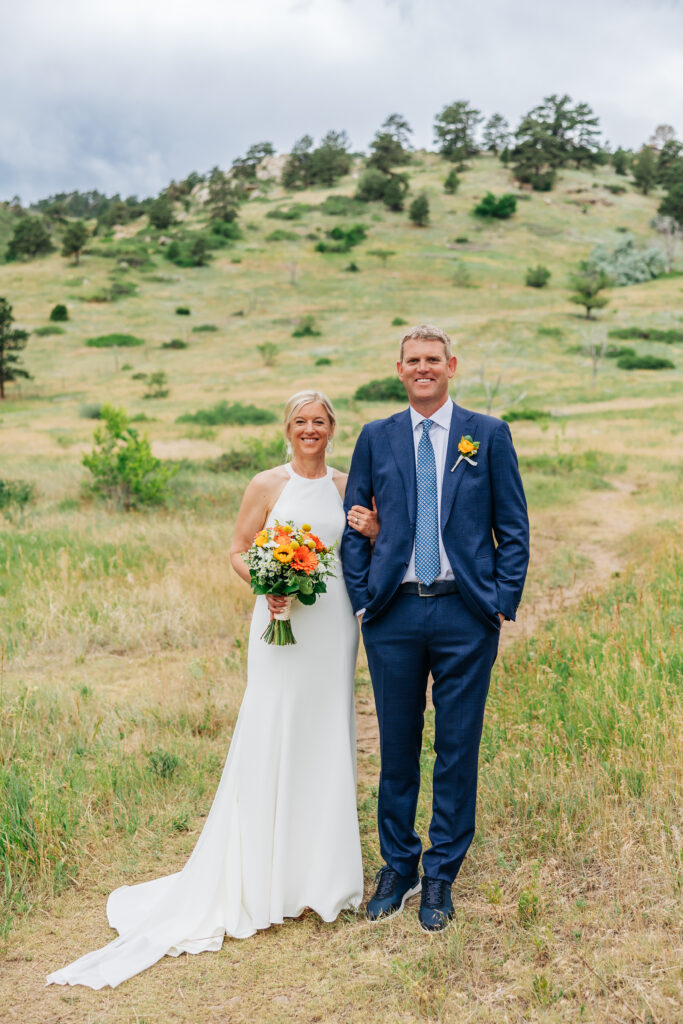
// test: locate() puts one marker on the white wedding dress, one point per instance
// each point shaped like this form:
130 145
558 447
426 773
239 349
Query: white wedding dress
282 834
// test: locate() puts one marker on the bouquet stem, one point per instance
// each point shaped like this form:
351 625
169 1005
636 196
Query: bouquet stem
279 629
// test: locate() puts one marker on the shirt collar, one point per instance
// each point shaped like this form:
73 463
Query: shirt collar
442 416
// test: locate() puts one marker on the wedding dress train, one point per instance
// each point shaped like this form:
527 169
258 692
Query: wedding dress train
282 833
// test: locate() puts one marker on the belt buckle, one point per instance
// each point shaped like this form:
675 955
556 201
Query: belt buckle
419 590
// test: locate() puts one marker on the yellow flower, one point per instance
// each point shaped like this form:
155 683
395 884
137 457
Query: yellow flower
284 553
306 527
286 528
466 447
295 544
261 538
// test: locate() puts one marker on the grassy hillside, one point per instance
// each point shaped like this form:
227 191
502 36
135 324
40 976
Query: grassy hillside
124 634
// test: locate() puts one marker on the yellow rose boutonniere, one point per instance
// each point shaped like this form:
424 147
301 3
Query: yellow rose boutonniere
467 447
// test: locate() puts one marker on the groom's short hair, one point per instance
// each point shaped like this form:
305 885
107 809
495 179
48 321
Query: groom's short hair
427 332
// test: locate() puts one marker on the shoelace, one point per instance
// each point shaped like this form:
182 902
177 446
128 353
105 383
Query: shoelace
386 877
434 891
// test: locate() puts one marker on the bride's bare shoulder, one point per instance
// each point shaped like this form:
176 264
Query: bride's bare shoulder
339 480
267 483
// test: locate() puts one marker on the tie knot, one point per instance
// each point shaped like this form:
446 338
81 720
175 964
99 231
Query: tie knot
426 424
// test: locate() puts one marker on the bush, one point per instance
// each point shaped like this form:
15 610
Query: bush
452 182
43 332
114 341
268 351
306 328
15 496
498 207
282 236
371 185
550 332
353 267
669 337
174 343
204 328
293 212
384 389
323 361
59 313
31 238
462 240
91 411
229 413
157 382
644 363
254 457
122 466
419 211
537 277
343 239
513 415
398 321
461 275
626 264
617 351
342 206
182 311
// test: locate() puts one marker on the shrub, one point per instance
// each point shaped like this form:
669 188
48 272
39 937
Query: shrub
462 240
550 332
157 382
254 457
43 332
343 239
461 275
182 311
617 351
268 351
162 763
384 389
398 321
282 236
353 267
204 328
371 185
59 313
15 495
498 207
419 211
452 182
616 190
644 363
323 361
115 341
140 375
537 277
293 212
513 415
647 334
31 238
306 328
626 264
91 411
229 413
174 343
342 206
122 466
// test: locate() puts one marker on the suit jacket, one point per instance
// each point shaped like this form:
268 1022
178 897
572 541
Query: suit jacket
484 522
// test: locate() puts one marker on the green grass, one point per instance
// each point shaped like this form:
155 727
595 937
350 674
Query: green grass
114 341
232 413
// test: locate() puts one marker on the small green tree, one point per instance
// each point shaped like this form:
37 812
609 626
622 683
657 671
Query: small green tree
31 238
586 284
672 204
496 134
12 342
382 254
620 161
156 384
224 197
296 172
419 211
537 277
395 191
199 252
245 167
122 465
645 170
452 182
268 351
160 212
74 239
59 314
500 207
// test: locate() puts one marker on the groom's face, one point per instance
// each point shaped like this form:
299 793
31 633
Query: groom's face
425 372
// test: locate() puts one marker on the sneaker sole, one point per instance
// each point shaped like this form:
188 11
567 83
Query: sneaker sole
435 931
388 917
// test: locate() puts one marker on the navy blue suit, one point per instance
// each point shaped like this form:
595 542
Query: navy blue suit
455 636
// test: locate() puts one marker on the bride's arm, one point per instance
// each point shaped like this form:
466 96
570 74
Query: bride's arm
256 504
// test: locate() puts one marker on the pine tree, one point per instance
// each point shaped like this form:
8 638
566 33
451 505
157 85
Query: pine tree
419 211
454 131
12 342
645 169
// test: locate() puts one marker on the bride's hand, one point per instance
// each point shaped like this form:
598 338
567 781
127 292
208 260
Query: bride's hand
276 603
364 520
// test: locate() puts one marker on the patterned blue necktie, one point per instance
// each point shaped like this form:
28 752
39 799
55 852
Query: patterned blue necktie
427 561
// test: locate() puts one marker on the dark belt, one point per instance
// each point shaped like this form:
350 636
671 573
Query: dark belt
436 589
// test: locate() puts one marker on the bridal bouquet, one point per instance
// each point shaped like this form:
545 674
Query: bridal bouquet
290 561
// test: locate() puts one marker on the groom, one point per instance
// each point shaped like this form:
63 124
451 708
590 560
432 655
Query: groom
447 569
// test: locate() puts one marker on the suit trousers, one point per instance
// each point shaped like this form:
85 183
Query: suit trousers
412 637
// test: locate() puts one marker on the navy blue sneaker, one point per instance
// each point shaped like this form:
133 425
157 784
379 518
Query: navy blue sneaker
391 893
436 906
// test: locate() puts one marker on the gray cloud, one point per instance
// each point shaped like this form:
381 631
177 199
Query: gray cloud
123 95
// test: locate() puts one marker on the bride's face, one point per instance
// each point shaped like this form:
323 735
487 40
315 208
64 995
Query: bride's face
310 430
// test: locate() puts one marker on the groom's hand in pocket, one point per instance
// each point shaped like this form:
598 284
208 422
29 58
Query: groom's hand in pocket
501 617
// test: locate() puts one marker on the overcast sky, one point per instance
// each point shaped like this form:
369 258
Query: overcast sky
123 95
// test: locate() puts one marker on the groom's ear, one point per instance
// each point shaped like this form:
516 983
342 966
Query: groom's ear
452 363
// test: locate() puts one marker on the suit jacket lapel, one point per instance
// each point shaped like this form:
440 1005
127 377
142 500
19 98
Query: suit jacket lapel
460 419
400 430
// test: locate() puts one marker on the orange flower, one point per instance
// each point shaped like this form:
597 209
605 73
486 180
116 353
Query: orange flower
319 546
305 560
281 537
466 447
284 553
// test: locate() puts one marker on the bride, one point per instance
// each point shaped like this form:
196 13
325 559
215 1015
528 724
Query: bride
282 834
